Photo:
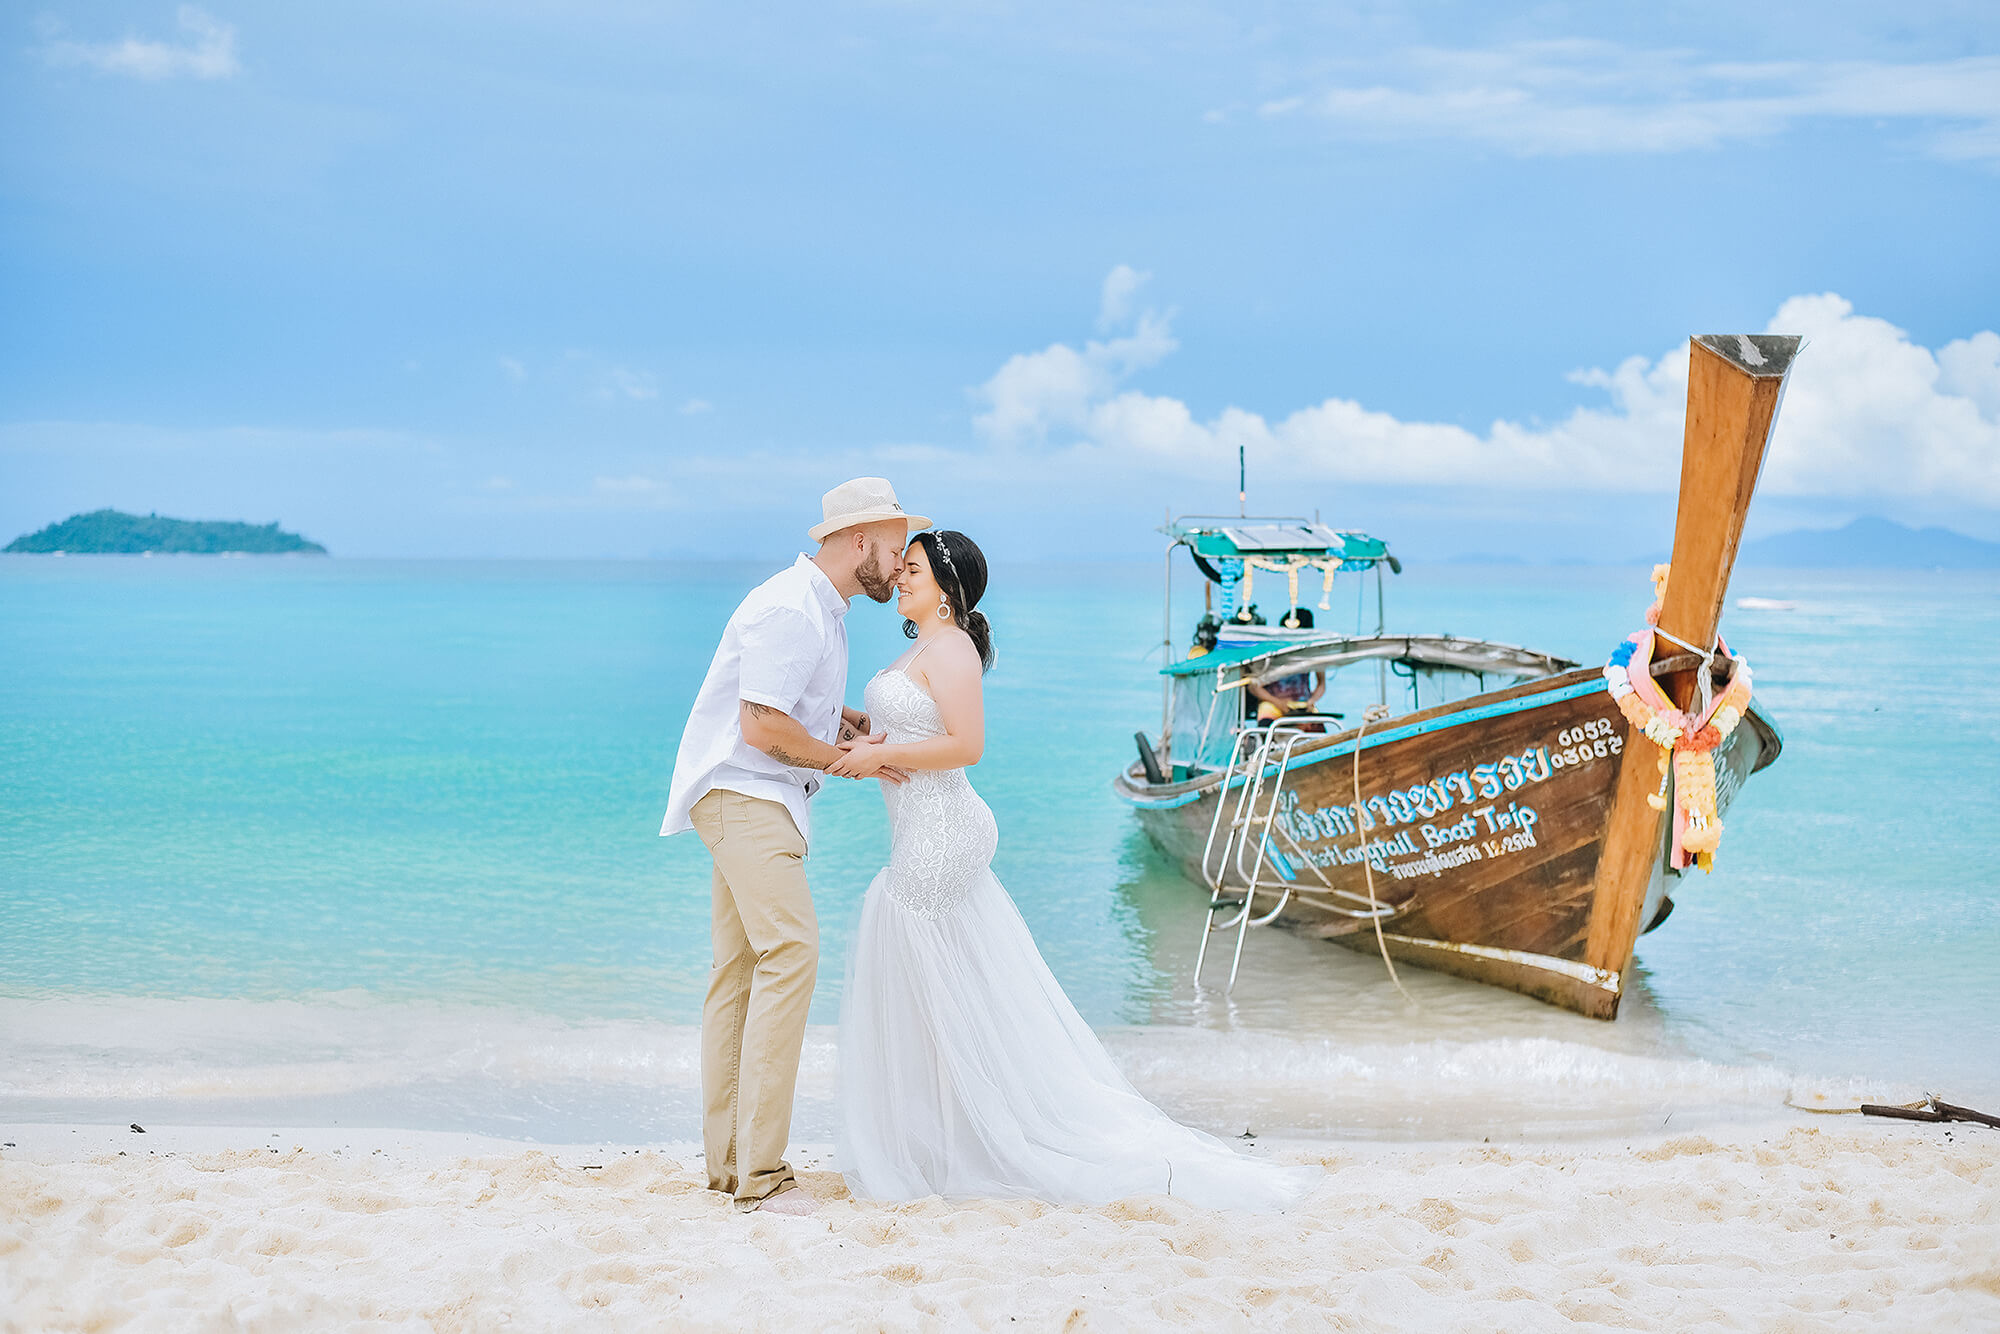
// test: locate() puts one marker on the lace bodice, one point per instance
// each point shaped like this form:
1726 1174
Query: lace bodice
941 835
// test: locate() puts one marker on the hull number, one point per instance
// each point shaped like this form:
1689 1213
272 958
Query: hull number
1598 739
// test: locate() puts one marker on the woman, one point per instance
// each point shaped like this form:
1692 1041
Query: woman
964 1069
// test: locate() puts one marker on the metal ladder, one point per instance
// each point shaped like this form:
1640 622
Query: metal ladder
1259 762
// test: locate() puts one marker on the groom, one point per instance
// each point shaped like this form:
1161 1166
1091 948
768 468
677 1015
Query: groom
769 715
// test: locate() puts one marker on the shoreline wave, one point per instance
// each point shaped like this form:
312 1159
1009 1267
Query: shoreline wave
355 1059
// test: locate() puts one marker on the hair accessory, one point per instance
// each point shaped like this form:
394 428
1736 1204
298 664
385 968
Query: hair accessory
944 554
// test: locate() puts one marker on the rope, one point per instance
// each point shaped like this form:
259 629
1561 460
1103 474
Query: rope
1708 652
1374 713
1702 681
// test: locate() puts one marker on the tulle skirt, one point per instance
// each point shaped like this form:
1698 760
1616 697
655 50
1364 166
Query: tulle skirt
966 1072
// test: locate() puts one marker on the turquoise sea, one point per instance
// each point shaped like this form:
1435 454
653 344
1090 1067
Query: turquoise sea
373 842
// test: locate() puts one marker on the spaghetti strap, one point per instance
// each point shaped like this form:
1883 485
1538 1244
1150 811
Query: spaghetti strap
919 653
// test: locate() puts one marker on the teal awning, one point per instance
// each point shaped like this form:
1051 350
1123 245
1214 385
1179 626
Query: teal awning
1291 541
1228 655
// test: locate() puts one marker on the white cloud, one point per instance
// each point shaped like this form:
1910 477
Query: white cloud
623 381
1114 303
515 370
1057 388
1970 368
1870 412
1589 97
694 407
1867 413
209 51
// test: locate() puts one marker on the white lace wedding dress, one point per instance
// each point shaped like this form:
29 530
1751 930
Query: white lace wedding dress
964 1069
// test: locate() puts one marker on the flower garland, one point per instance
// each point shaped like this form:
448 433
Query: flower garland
1290 569
1687 741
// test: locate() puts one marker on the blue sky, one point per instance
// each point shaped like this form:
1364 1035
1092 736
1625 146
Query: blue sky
616 279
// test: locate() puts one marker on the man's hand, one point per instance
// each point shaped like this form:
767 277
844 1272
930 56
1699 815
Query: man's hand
860 759
863 758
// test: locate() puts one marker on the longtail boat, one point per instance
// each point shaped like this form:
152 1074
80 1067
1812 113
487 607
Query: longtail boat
1478 808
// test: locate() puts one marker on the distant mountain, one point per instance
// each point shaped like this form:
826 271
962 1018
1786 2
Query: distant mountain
111 532
1876 543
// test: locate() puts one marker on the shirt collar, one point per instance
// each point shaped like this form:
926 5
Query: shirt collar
829 596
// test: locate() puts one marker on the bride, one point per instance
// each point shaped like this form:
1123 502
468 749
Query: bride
964 1069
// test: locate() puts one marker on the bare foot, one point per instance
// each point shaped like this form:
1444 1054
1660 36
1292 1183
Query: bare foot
792 1200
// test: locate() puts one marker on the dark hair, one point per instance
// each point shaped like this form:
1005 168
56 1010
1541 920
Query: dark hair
959 567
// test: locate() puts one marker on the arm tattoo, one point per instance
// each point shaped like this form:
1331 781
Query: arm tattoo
779 752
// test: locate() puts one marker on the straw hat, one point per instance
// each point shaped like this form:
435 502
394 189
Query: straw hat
863 500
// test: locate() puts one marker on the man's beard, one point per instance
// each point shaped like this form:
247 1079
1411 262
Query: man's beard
875 583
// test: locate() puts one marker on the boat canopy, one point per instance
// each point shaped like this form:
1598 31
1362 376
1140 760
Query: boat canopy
1277 541
1207 704
1202 700
1306 653
1228 655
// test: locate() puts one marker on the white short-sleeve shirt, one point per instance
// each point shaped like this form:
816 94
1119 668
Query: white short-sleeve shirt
785 646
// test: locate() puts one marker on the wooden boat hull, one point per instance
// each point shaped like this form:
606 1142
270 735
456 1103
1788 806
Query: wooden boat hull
1483 823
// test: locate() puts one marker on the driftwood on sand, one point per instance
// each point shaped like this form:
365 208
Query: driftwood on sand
1931 1109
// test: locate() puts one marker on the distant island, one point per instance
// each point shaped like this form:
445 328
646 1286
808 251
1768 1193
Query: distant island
115 533
1876 544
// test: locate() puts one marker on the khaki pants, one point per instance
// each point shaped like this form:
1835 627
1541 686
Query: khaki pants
760 986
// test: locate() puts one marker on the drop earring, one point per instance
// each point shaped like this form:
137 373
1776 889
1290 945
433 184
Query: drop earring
944 610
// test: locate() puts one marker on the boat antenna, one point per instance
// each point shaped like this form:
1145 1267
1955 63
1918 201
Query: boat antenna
1242 489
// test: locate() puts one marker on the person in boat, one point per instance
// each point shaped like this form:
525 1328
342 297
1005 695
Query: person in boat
1207 634
1290 695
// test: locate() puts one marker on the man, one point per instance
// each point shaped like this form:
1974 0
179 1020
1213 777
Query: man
768 716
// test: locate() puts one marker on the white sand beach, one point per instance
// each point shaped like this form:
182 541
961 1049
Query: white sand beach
1793 1225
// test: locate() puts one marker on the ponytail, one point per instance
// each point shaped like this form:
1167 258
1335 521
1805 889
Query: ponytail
982 637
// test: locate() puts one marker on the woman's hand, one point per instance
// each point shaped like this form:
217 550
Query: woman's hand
866 757
858 759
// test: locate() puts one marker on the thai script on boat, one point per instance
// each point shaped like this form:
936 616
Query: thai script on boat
1435 862
1420 802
